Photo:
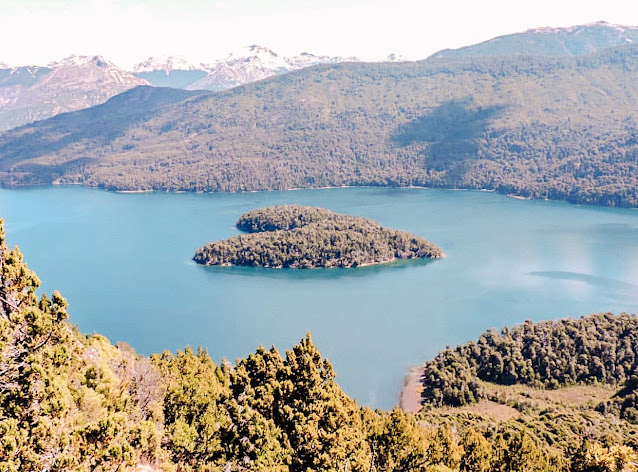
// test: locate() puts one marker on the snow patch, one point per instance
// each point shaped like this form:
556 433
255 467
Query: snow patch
167 64
254 62
81 61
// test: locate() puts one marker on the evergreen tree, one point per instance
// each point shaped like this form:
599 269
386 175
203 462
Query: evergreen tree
33 357
194 410
477 452
401 444
323 425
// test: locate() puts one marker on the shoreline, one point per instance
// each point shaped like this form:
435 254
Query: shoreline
5 186
359 266
134 191
410 394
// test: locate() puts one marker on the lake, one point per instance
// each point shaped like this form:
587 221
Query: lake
123 261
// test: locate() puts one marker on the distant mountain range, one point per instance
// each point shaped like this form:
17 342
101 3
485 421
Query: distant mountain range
34 93
240 67
175 72
542 127
31 93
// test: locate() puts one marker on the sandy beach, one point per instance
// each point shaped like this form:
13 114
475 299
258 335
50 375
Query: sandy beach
410 396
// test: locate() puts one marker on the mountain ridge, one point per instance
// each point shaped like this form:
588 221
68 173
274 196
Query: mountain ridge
554 127
21 103
239 67
32 93
571 40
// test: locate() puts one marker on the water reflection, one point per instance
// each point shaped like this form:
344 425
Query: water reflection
627 289
318 273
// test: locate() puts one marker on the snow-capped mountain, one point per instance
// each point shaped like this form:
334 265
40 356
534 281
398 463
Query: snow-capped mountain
240 67
568 41
257 57
22 77
306 59
87 72
30 93
171 71
254 63
33 93
167 64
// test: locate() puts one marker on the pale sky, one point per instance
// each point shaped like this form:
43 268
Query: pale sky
129 31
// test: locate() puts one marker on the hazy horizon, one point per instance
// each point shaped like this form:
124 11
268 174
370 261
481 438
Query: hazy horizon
128 32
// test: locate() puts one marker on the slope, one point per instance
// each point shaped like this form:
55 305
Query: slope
562 127
35 93
99 125
71 402
573 40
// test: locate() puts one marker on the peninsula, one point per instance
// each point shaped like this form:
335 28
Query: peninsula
294 236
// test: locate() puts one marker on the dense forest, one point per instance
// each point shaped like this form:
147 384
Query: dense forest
294 236
540 127
75 402
599 349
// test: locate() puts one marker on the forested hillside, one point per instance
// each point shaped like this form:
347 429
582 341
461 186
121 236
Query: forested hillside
543 127
72 402
597 349
97 125
294 236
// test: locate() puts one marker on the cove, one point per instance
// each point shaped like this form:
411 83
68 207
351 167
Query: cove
123 261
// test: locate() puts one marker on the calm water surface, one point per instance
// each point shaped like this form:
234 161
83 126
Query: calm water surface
124 263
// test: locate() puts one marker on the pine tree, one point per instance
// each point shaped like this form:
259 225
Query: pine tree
477 452
400 444
32 354
323 425
194 412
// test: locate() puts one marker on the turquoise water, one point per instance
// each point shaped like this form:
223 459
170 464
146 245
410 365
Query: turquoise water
124 263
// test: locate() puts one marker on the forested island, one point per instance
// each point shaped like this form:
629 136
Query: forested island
295 236
75 402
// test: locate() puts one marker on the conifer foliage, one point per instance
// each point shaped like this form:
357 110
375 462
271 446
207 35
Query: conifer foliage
598 348
541 127
70 402
295 236
67 402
